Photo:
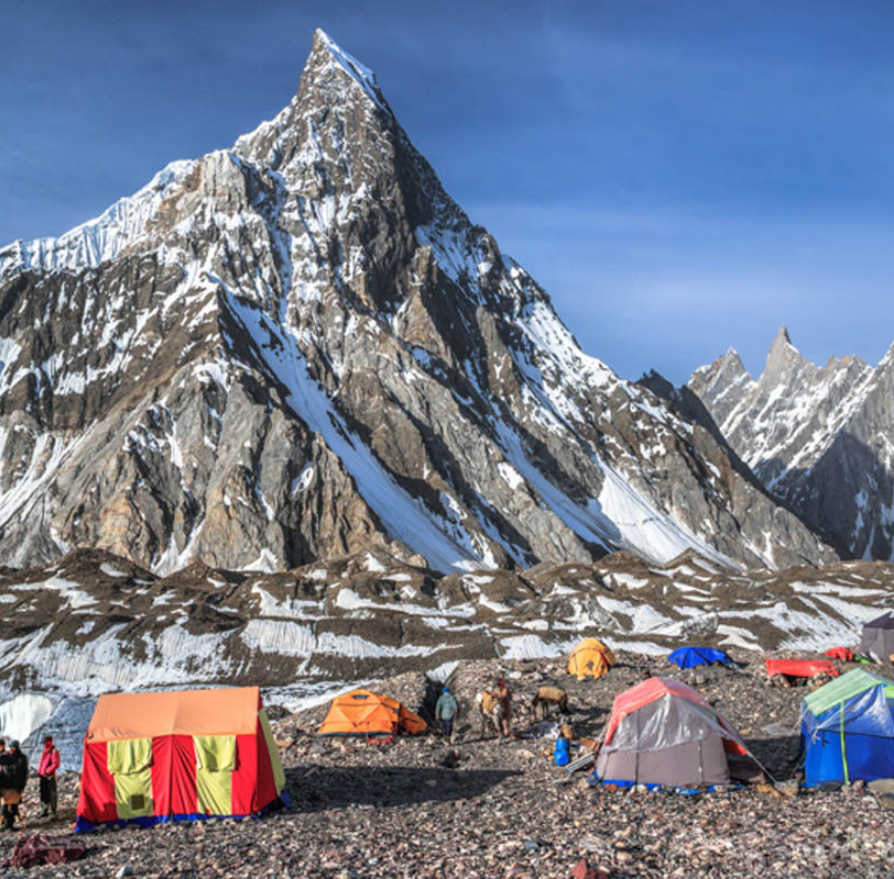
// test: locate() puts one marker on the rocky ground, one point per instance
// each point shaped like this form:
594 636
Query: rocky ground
421 808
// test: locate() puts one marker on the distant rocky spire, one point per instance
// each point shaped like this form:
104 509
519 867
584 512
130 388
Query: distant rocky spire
782 358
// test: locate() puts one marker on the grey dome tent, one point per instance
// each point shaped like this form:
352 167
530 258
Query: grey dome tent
877 639
663 733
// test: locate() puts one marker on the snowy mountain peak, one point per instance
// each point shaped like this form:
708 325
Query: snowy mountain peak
731 363
313 352
782 337
360 73
726 370
781 345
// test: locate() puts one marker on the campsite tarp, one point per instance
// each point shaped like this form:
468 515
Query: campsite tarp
663 732
178 755
364 713
847 729
690 657
877 639
590 657
844 654
800 668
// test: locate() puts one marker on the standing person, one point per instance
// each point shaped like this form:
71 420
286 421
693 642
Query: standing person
446 711
13 778
505 698
46 772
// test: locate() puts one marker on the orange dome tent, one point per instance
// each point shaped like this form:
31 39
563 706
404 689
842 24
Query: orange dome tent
590 657
364 713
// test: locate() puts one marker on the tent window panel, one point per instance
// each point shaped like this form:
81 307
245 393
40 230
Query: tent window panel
133 794
129 756
215 762
130 764
215 753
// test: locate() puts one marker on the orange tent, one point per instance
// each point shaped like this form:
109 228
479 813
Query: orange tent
590 657
178 755
364 713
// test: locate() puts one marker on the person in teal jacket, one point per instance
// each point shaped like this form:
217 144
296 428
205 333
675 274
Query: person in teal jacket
446 711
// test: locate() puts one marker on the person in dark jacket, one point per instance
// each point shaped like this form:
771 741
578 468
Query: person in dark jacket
13 777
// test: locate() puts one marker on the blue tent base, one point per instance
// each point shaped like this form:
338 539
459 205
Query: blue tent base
626 784
692 657
84 826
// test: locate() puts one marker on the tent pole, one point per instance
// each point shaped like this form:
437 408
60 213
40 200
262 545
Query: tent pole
638 744
847 779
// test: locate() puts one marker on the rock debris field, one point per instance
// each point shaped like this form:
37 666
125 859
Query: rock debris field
421 807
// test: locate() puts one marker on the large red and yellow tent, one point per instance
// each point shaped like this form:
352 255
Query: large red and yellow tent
178 755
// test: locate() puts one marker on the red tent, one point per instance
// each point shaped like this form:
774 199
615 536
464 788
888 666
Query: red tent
181 755
800 668
845 654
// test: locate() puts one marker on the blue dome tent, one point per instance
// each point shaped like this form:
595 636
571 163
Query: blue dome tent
847 730
690 657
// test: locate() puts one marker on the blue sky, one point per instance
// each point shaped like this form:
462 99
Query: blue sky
680 176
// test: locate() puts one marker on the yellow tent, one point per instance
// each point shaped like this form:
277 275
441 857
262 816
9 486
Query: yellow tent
590 657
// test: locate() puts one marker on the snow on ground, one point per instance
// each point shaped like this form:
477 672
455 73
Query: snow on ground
628 580
643 617
266 562
373 564
736 636
348 599
23 714
843 589
849 610
72 592
533 647
29 716
810 631
295 608
287 638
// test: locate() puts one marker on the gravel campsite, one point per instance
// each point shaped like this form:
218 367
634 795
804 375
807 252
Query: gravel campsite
419 806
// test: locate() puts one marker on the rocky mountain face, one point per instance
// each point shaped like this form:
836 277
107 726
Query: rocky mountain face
301 348
818 438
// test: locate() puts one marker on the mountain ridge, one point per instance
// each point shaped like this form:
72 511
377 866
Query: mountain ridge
816 437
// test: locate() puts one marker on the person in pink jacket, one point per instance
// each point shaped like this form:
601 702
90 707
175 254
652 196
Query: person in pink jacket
46 771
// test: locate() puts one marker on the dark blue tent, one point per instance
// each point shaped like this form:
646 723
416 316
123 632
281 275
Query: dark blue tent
690 657
847 730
